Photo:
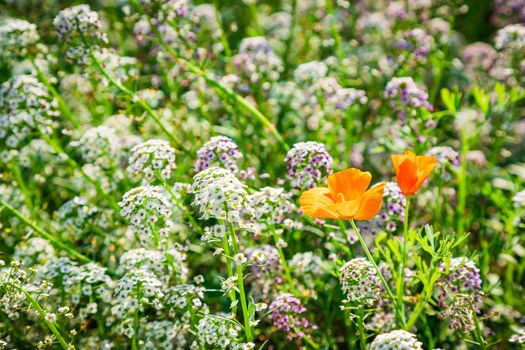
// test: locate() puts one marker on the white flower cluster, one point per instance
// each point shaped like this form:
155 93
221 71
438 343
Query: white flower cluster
256 61
306 263
163 265
518 337
213 232
98 145
334 95
359 281
149 213
151 96
88 280
12 299
167 10
519 199
78 26
272 204
135 290
218 332
396 340
219 151
183 300
36 152
220 195
165 335
16 38
76 215
121 68
34 251
152 158
511 37
310 72
25 107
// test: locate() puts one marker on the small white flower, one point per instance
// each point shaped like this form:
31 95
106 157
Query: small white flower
50 317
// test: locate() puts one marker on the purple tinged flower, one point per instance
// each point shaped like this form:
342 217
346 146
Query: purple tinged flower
415 41
308 164
286 316
404 95
220 151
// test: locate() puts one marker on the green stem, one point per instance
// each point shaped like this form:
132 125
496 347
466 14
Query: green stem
64 108
311 342
361 326
56 242
135 334
226 248
426 294
15 168
224 39
381 277
438 208
333 28
401 277
240 284
51 325
462 186
255 20
291 36
342 227
477 328
58 148
236 98
137 100
182 207
284 262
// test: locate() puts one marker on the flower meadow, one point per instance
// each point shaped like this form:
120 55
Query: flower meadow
292 174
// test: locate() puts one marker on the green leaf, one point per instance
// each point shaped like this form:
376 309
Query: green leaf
482 99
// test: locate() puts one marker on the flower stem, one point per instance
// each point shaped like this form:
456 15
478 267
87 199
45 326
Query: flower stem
226 248
182 207
136 328
361 326
284 263
425 295
311 342
64 108
73 163
240 284
17 172
381 277
55 241
224 39
462 186
333 28
291 35
51 325
239 100
401 277
137 100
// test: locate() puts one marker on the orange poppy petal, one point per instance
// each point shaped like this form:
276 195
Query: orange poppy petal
347 210
317 202
407 177
351 183
425 168
371 203
397 159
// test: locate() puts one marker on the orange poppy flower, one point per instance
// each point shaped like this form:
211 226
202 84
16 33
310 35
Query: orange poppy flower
412 171
345 198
